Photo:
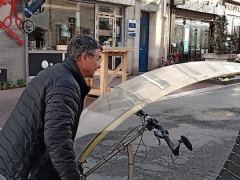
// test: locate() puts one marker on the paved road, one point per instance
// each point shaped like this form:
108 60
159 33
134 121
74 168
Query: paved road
9 98
210 119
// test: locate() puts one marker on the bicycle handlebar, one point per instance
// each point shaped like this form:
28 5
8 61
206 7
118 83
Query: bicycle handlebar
152 123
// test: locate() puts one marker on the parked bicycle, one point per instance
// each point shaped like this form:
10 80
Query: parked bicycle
163 62
149 123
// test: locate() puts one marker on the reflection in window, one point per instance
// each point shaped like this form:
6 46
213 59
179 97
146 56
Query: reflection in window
105 31
60 21
230 22
87 18
143 35
118 32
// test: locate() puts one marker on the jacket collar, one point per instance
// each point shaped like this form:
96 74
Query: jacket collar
71 64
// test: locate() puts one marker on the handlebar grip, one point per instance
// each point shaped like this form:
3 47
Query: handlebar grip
165 136
169 142
140 113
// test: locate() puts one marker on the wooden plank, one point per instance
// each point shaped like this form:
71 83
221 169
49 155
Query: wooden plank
94 92
115 73
104 74
117 49
124 67
115 53
98 72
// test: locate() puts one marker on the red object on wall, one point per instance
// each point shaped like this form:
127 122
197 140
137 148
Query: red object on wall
177 55
7 22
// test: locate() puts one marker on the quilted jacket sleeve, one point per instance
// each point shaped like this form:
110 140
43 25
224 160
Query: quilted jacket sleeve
61 114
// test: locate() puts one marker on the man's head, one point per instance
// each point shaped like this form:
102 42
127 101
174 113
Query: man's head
86 51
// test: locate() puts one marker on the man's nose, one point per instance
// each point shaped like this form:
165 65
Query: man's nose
99 66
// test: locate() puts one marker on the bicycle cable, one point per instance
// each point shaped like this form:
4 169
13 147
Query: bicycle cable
173 160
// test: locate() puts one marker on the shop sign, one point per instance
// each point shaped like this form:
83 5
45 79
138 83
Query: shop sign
131 34
234 8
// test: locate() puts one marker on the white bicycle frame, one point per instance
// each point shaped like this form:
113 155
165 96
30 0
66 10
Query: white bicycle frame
126 146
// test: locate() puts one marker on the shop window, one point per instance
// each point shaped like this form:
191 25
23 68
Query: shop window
105 31
109 29
60 21
143 35
237 32
87 19
119 40
230 23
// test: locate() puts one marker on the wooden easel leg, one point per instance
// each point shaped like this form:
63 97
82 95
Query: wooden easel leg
104 74
124 67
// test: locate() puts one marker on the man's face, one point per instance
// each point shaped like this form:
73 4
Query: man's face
92 63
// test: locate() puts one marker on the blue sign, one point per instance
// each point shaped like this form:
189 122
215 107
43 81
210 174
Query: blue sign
132 34
132 25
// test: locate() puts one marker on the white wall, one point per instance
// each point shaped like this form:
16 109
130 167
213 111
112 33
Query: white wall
158 38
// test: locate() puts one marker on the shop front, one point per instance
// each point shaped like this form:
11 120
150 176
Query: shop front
62 19
191 29
232 12
191 40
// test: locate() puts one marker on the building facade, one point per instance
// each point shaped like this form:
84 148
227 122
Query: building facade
232 12
142 24
152 34
192 27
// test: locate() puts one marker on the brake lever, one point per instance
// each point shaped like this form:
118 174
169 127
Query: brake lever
159 141
158 136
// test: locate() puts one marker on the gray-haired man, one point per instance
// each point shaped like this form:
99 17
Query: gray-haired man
36 141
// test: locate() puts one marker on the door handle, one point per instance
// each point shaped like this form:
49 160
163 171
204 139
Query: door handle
140 49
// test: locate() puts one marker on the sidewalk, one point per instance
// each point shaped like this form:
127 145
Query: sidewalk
9 98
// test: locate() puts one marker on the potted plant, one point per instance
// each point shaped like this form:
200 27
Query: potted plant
222 41
21 83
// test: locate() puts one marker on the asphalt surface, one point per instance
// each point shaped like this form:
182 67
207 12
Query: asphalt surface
208 117
204 112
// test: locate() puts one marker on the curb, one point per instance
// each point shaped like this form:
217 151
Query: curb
192 92
230 80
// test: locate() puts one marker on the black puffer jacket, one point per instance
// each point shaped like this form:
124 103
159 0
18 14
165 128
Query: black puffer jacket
36 141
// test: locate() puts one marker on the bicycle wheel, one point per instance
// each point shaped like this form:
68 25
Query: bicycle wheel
28 26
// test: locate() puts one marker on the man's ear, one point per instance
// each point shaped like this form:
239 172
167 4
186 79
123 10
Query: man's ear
84 55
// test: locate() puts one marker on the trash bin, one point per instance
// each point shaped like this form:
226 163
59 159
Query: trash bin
3 75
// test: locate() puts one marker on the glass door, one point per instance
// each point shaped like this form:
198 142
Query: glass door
186 44
105 31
